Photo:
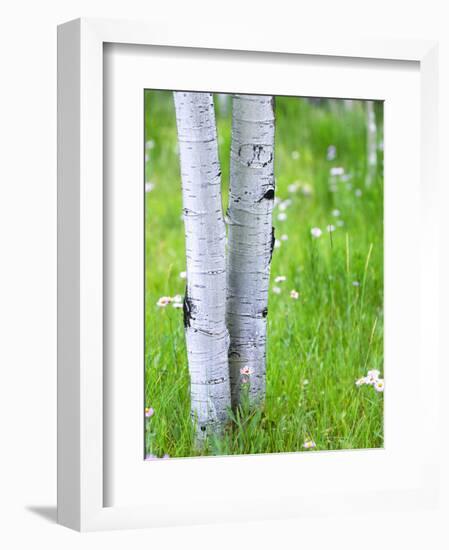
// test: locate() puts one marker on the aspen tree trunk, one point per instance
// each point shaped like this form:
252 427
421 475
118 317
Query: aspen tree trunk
250 242
371 143
207 338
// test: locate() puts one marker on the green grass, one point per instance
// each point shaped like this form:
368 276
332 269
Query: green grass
319 344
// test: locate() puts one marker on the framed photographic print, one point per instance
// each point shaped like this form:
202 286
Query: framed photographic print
243 253
272 314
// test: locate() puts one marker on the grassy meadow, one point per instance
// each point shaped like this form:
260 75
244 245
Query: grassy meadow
321 340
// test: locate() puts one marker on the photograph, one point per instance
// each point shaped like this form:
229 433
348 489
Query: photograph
264 245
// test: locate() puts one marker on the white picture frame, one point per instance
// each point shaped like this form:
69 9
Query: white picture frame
82 391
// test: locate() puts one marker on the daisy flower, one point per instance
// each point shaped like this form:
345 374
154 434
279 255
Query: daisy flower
294 294
149 411
163 301
306 190
330 228
285 204
331 152
336 213
316 232
276 290
379 385
284 237
183 274
246 370
373 375
337 171
309 444
282 216
280 279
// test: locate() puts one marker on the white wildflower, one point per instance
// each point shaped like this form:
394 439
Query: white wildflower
379 385
282 216
336 213
246 370
163 301
331 152
183 274
337 171
280 279
309 444
306 190
316 232
330 228
294 294
373 376
285 204
284 237
295 155
276 290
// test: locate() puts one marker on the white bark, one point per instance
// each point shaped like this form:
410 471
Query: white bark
371 143
250 242
207 338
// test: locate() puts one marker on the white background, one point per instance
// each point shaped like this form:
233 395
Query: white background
28 270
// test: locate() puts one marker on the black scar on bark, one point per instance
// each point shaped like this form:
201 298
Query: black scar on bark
272 243
269 195
187 309
264 312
